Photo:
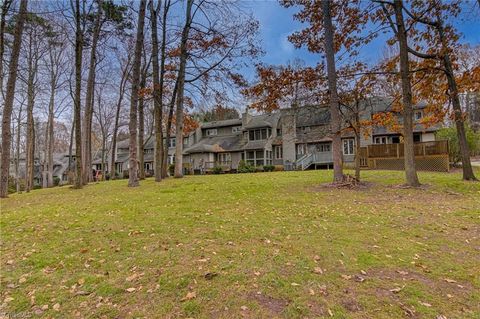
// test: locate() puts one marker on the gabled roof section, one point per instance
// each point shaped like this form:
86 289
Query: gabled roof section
216 144
263 120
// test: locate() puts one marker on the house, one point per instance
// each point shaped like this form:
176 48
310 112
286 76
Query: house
290 138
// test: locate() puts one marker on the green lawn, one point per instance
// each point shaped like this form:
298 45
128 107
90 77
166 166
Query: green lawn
262 245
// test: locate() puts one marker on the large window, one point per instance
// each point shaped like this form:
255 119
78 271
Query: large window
260 134
278 152
255 158
211 132
172 142
349 146
224 158
380 140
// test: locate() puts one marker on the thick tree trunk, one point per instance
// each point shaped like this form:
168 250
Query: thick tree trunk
180 93
158 76
89 100
77 103
333 94
29 154
9 96
410 170
133 164
168 129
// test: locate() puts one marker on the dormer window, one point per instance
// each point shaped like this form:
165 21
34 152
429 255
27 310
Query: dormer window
306 129
211 132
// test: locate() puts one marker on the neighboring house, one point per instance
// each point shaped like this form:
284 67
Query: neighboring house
471 106
60 168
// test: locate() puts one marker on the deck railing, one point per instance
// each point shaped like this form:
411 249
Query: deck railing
396 150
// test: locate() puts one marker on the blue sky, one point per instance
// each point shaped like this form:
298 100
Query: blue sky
276 23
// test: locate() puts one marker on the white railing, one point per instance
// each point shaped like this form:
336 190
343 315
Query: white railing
317 157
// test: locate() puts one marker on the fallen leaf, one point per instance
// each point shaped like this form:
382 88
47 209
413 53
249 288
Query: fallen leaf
450 280
210 275
311 292
397 290
132 277
403 273
330 313
295 284
346 277
426 304
22 280
190 295
318 270
56 307
81 281
244 308
131 289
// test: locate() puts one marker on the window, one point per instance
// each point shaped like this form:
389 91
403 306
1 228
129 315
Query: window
323 147
301 149
261 134
171 159
279 132
380 140
172 142
185 141
278 152
211 132
224 158
148 150
417 138
255 158
268 157
418 115
348 146
147 166
306 129
395 139
236 129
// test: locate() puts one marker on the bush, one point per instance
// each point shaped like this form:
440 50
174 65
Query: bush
56 181
244 167
268 168
217 170
171 169
450 134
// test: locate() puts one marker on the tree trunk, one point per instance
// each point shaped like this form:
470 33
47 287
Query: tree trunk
3 23
133 164
121 93
89 100
158 76
49 133
333 94
458 116
9 96
168 129
410 170
29 154
141 124
17 150
78 91
180 93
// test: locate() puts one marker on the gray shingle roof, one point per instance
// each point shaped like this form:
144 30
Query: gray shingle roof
216 144
263 120
221 123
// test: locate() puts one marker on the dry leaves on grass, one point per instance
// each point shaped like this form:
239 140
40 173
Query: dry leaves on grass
189 296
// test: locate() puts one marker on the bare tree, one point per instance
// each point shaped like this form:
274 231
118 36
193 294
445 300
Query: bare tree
77 123
10 92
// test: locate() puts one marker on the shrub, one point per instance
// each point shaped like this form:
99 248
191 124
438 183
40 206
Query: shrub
217 170
450 134
268 168
244 167
56 181
171 169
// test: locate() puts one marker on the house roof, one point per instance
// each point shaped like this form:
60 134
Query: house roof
263 120
253 145
223 123
216 144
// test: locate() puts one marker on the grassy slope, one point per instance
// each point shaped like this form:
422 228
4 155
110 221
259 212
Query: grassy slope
263 234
